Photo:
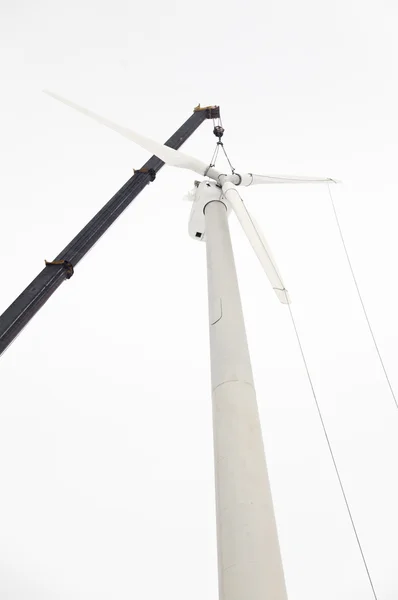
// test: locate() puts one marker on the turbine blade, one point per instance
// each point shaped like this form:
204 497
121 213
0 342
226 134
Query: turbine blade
257 240
253 179
171 157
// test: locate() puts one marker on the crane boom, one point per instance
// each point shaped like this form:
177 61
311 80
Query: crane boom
27 304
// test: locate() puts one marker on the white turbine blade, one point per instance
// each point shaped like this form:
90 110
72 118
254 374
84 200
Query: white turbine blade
171 157
252 179
257 241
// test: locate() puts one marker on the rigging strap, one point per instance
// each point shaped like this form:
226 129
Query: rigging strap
150 172
65 263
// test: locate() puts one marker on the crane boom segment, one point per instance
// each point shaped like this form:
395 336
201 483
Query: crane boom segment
27 304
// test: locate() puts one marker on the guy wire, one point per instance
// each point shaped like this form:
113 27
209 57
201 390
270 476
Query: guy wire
331 450
360 297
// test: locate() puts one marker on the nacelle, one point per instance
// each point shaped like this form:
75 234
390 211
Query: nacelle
206 191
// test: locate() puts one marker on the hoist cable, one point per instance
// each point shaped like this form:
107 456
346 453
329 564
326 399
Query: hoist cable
214 157
360 297
331 449
218 131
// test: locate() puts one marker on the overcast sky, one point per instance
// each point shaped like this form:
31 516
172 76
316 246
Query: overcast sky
106 465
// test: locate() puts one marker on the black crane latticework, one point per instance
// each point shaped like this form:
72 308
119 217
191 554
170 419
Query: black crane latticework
21 311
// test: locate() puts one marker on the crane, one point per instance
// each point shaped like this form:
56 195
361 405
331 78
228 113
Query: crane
36 294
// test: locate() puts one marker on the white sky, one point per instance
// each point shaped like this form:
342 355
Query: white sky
106 468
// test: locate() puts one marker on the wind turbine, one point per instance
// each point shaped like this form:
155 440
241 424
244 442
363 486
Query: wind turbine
249 560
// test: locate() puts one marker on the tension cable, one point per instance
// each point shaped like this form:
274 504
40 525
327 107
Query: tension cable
329 445
360 297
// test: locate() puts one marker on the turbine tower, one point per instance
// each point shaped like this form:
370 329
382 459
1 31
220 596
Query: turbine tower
249 559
